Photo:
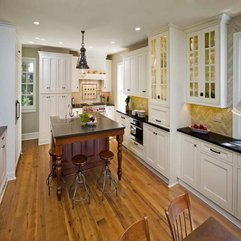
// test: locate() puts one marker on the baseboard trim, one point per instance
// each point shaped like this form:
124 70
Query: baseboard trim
217 208
3 189
11 176
30 136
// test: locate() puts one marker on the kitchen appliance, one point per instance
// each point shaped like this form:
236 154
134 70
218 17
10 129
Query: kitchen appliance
136 130
141 113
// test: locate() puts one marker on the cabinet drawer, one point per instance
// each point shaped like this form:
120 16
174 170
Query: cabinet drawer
122 118
217 152
3 139
159 115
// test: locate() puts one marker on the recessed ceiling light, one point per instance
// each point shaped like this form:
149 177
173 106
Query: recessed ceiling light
60 42
137 28
30 42
37 38
113 42
90 47
36 22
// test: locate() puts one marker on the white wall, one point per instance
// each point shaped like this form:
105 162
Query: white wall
7 91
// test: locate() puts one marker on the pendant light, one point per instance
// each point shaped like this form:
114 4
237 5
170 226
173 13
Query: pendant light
82 63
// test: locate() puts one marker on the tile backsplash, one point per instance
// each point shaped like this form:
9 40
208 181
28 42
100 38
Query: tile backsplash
138 103
216 119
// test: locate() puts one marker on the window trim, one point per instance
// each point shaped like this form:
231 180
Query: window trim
31 108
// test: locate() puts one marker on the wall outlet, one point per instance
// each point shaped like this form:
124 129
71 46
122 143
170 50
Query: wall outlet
217 117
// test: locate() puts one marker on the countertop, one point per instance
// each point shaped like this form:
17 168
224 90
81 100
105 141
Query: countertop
2 129
214 138
145 119
82 105
71 127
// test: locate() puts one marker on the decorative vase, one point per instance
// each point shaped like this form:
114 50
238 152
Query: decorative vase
127 108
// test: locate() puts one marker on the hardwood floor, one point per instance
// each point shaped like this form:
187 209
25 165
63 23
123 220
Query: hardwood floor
28 213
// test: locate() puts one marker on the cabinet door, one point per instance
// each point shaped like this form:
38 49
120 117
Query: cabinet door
134 75
189 159
107 86
217 181
210 65
142 71
3 168
47 108
63 105
75 75
127 75
150 145
46 76
63 73
194 66
239 192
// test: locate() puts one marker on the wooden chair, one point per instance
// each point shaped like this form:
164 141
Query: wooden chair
138 231
179 217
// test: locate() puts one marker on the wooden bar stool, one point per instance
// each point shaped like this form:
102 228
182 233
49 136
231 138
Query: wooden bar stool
106 156
52 173
80 161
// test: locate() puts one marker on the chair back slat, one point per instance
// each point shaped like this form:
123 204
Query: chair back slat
179 217
137 231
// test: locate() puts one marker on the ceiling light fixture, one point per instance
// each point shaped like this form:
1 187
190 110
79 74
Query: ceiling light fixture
60 42
112 42
30 42
137 28
37 38
36 22
82 63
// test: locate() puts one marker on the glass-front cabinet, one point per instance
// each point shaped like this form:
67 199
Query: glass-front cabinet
207 65
158 57
28 84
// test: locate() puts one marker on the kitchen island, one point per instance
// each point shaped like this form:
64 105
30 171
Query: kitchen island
70 137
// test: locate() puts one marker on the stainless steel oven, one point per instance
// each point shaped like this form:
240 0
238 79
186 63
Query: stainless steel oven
136 130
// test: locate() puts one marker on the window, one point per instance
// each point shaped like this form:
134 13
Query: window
28 84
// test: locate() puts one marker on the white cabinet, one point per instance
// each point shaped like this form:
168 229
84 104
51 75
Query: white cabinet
54 72
125 121
63 105
107 82
110 112
3 168
159 115
156 149
136 148
238 201
135 72
189 160
207 64
75 75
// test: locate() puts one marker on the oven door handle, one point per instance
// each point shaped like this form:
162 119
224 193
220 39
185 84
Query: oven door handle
137 127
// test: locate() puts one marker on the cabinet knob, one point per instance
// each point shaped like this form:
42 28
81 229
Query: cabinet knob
158 97
3 138
128 89
201 93
195 145
3 146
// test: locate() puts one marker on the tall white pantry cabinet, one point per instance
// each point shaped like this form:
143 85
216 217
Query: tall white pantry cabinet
55 90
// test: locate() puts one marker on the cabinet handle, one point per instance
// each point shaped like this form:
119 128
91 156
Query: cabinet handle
218 152
201 93
128 89
158 120
154 133
158 97
63 87
19 51
123 117
135 143
3 146
143 91
3 138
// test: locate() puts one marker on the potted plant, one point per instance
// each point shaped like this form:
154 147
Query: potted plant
127 100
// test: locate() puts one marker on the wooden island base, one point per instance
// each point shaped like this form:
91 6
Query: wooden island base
90 148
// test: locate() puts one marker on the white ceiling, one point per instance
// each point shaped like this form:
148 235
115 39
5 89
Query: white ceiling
105 20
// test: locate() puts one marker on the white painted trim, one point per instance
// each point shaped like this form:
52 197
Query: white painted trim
224 213
11 176
2 190
29 136
43 141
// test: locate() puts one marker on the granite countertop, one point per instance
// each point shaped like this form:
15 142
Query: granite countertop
82 105
72 126
145 119
214 138
2 129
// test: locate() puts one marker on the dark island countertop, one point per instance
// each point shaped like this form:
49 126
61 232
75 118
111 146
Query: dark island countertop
145 119
71 127
2 129
214 138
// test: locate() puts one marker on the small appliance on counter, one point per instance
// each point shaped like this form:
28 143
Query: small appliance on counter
141 113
